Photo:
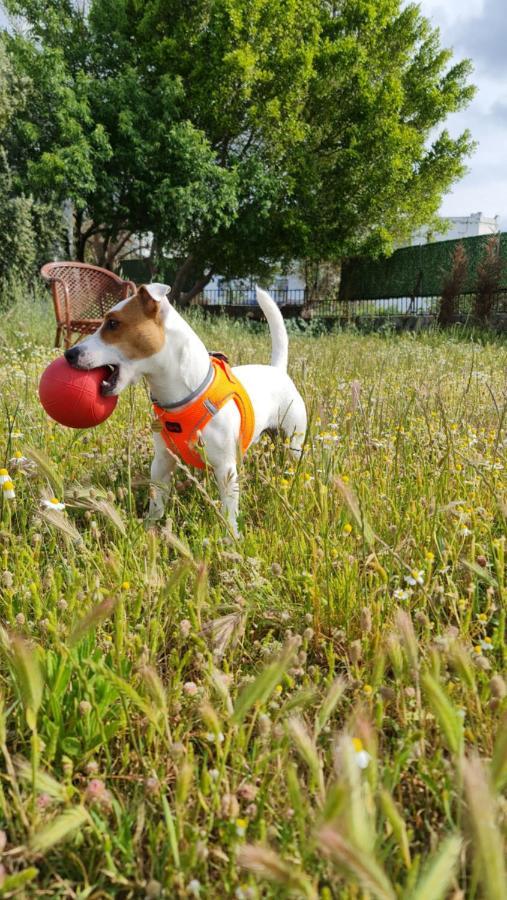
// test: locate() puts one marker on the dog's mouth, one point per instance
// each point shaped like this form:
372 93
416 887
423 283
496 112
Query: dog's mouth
108 384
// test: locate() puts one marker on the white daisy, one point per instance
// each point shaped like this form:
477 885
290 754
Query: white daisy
8 490
415 577
362 755
54 503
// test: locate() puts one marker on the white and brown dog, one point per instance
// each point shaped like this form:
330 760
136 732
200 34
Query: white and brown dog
145 336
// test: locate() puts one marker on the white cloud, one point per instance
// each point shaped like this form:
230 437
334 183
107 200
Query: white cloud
478 29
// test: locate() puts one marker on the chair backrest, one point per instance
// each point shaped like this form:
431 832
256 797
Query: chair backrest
90 290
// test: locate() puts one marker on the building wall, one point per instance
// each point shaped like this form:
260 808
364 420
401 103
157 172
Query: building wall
459 227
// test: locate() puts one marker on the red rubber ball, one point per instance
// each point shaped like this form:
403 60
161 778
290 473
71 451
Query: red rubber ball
72 397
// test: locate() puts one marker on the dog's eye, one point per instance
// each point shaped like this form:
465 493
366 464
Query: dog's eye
112 324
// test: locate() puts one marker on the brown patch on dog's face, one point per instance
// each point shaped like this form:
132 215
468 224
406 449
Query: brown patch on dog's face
137 328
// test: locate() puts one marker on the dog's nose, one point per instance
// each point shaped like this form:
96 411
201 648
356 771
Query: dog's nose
72 355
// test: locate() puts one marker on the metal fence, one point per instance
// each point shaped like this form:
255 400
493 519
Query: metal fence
242 301
228 296
293 304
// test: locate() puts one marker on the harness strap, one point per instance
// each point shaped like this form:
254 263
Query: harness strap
183 422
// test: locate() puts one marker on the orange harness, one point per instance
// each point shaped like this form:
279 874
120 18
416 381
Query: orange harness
183 422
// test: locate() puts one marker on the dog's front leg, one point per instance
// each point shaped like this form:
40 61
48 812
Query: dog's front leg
226 474
162 468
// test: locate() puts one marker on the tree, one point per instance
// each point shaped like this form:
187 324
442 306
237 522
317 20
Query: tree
239 133
26 225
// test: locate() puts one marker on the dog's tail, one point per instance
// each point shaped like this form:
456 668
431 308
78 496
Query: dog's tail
279 339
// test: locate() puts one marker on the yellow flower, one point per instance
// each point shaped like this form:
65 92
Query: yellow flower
429 556
358 744
278 689
284 482
482 617
367 689
125 586
347 528
18 454
345 479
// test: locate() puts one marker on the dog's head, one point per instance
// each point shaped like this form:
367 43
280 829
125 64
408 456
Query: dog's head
128 341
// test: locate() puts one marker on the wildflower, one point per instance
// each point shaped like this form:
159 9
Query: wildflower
18 461
241 827
482 617
211 737
4 476
43 801
429 556
415 577
402 594
125 586
185 627
362 755
368 690
194 888
8 490
465 531
190 688
284 482
7 579
53 503
20 619
487 644
347 528
96 792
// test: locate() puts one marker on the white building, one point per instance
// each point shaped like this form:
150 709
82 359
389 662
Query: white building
459 227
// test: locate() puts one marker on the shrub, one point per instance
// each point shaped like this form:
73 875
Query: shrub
489 279
453 286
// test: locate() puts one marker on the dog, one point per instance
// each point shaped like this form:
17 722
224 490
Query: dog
145 336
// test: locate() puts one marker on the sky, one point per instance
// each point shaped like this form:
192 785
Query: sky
476 29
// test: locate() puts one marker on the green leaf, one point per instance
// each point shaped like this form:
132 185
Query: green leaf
397 824
446 714
25 667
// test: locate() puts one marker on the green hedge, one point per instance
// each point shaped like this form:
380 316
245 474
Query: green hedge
414 271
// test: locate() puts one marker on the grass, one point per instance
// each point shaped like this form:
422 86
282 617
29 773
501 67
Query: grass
318 710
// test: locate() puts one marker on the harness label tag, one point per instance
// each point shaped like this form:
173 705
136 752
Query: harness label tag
174 427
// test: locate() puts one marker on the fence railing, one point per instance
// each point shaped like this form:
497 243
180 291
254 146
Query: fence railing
294 303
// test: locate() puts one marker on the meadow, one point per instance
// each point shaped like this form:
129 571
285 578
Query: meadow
317 710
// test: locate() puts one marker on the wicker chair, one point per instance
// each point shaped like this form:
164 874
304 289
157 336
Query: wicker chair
82 294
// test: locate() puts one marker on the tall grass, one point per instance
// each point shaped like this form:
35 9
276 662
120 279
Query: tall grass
318 710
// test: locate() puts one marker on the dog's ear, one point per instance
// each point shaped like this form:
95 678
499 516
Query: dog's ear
152 295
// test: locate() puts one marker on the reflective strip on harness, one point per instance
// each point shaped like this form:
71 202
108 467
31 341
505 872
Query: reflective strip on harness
181 427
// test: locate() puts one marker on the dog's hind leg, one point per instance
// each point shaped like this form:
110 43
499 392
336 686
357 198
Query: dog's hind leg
294 423
162 468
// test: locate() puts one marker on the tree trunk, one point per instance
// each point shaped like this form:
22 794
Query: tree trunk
200 284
